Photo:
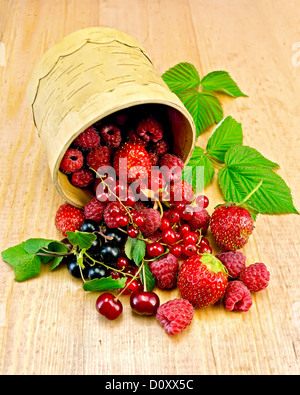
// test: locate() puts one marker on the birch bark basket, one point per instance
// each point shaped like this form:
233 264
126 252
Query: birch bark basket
89 74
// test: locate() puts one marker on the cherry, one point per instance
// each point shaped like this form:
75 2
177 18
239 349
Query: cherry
190 238
138 218
155 249
165 224
122 263
187 213
176 250
131 286
169 236
109 306
205 248
132 232
144 303
202 201
190 249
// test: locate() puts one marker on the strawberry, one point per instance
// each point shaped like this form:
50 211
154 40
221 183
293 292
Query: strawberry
231 226
138 162
68 218
202 280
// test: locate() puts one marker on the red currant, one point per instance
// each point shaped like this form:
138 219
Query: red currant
179 206
190 249
205 249
174 216
176 250
138 218
144 303
204 242
202 201
190 238
132 232
187 213
132 286
169 236
155 249
165 224
184 229
109 306
122 220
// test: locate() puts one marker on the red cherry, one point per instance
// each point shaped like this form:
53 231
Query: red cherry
132 286
202 201
165 224
176 250
122 263
190 249
169 236
155 249
109 306
132 232
203 249
190 238
144 303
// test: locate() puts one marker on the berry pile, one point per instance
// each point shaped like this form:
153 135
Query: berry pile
139 195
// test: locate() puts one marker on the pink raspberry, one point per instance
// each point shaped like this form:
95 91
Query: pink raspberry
153 158
150 129
256 277
175 315
152 220
98 157
135 138
82 178
110 219
237 297
111 134
181 191
94 210
161 148
234 261
200 220
72 161
171 167
88 139
165 271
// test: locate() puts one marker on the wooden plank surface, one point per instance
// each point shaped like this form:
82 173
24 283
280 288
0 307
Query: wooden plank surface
49 325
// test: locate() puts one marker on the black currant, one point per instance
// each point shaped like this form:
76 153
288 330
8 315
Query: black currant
117 237
89 225
109 253
74 269
97 272
94 250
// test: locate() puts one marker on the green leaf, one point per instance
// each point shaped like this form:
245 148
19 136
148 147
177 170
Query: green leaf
222 82
139 251
13 255
204 107
181 77
226 134
28 267
56 246
81 239
243 173
150 280
199 172
102 284
129 246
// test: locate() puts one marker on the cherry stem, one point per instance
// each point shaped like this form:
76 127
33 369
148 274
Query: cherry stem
250 194
133 278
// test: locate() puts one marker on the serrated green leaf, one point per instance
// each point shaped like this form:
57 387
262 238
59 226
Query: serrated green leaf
181 77
149 279
81 239
238 179
28 267
139 251
13 255
204 107
199 172
226 134
129 245
103 284
222 82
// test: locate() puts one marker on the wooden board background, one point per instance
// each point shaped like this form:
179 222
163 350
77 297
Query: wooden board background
49 325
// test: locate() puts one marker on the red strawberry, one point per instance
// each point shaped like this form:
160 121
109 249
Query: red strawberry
138 162
202 280
231 226
68 218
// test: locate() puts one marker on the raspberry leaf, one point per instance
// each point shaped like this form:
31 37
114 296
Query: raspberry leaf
83 240
222 82
204 107
105 283
226 134
200 171
181 77
245 169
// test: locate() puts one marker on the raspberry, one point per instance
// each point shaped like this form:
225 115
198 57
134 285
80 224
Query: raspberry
110 219
98 157
72 161
68 218
200 220
135 138
153 158
150 129
152 221
256 277
161 147
94 210
181 191
237 297
165 271
171 167
82 178
111 134
175 315
88 139
234 261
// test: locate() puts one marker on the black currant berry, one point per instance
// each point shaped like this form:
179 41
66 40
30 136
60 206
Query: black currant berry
94 250
109 253
97 272
117 237
74 269
89 225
